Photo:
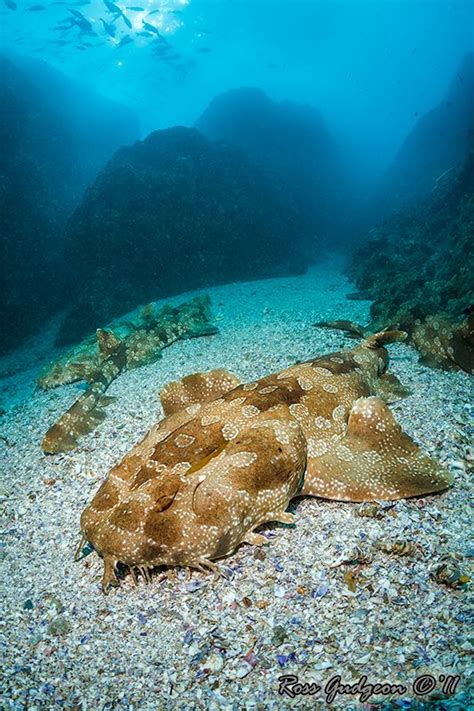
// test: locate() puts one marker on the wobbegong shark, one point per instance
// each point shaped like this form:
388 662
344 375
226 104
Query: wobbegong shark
228 457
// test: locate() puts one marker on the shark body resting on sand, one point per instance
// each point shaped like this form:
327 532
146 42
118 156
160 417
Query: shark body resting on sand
229 457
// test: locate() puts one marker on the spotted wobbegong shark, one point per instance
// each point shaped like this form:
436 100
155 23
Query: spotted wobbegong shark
229 457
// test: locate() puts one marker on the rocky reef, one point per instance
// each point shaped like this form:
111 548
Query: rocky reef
417 268
172 213
49 154
438 142
291 143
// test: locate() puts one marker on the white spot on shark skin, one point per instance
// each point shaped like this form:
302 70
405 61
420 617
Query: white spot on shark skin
193 409
322 371
299 411
322 423
181 467
238 401
268 389
184 440
329 388
209 420
281 435
304 383
344 453
338 413
250 411
316 447
230 431
242 459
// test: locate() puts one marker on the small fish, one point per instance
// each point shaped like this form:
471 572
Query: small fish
151 28
36 8
112 7
204 50
10 4
82 22
127 21
108 27
134 8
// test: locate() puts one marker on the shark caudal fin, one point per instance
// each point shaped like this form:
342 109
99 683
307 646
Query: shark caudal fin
372 340
373 460
380 339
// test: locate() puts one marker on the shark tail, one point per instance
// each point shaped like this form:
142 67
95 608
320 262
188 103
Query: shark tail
371 340
377 340
355 330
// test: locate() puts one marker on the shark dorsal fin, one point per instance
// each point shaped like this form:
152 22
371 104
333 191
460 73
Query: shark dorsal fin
108 342
196 389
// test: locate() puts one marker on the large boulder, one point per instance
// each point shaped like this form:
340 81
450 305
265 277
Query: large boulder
291 143
54 138
172 213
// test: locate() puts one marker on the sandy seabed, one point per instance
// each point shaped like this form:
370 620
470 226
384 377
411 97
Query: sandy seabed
323 598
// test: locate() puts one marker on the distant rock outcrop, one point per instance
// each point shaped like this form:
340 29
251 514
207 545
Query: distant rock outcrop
172 213
54 138
439 142
417 268
291 143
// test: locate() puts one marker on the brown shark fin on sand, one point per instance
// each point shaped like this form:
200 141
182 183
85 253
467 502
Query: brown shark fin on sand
373 460
196 389
81 419
355 330
108 342
389 388
376 340
58 439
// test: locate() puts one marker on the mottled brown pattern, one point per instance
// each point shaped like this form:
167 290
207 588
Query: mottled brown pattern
230 458
102 360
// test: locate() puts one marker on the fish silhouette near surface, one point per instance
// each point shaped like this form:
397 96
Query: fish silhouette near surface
229 457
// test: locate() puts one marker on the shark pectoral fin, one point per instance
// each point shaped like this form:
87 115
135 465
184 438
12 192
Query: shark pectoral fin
283 517
374 459
196 389
390 389
254 539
